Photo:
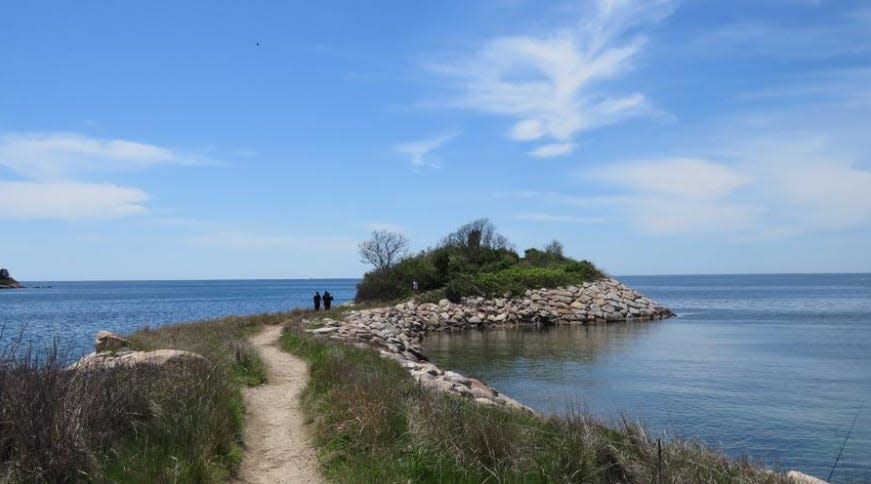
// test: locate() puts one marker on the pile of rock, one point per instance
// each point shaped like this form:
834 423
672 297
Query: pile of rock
396 331
111 350
399 343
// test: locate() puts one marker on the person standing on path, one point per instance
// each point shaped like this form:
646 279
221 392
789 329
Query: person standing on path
328 300
317 300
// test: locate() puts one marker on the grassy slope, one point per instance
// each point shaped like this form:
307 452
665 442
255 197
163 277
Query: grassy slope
199 439
168 424
374 424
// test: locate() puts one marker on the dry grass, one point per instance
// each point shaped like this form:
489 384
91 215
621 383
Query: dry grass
167 424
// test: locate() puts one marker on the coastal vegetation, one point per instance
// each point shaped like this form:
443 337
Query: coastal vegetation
6 280
474 260
123 424
374 423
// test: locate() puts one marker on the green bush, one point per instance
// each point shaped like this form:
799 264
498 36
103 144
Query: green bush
485 272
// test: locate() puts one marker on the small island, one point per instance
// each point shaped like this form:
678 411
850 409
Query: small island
473 279
7 282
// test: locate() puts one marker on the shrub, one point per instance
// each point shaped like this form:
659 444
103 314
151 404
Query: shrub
475 261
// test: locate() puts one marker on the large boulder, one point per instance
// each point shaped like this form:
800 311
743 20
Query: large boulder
111 350
161 358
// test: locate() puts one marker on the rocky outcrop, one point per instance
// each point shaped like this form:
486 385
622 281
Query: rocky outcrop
6 280
401 342
397 331
111 350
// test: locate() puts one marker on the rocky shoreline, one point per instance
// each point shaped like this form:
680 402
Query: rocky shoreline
6 280
396 331
9 283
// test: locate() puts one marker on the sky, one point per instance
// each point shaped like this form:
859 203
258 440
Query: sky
237 140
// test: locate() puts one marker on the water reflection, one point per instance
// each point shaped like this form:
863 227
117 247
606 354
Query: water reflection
552 364
555 343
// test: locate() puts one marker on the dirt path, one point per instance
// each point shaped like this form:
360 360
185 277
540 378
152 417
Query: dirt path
277 448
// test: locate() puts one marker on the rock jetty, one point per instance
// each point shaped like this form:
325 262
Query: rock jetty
396 332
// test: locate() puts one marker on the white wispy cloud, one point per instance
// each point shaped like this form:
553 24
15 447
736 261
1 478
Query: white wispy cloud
240 240
419 153
841 36
53 156
69 200
551 85
375 226
844 87
551 218
685 178
780 186
54 164
552 150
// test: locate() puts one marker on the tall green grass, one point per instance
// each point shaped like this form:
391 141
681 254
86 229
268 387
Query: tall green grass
374 424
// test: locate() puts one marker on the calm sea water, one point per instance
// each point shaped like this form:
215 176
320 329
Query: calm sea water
771 366
74 311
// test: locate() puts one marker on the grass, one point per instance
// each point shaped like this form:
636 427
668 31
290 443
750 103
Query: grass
151 424
374 424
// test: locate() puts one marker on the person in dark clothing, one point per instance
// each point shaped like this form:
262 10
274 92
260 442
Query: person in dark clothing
317 300
328 299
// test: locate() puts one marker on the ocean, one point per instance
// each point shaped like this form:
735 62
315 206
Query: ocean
72 312
774 367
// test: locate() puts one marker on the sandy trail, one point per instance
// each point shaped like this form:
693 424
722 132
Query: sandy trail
277 448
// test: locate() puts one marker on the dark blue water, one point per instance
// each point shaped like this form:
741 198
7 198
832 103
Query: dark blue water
771 366
75 311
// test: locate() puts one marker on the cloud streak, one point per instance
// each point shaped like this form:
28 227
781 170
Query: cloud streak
54 156
419 153
52 164
565 219
69 200
255 241
774 187
551 85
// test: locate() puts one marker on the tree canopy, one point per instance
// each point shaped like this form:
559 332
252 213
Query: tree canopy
473 260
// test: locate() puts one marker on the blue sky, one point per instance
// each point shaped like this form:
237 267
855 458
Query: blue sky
158 140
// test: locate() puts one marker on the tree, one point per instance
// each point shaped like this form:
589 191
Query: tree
555 247
383 249
4 274
479 234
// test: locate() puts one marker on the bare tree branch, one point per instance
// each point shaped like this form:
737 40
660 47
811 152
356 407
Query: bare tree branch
383 249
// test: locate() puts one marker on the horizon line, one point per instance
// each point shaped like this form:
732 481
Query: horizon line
361 277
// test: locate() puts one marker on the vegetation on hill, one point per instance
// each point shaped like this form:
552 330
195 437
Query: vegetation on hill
373 423
6 279
473 261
